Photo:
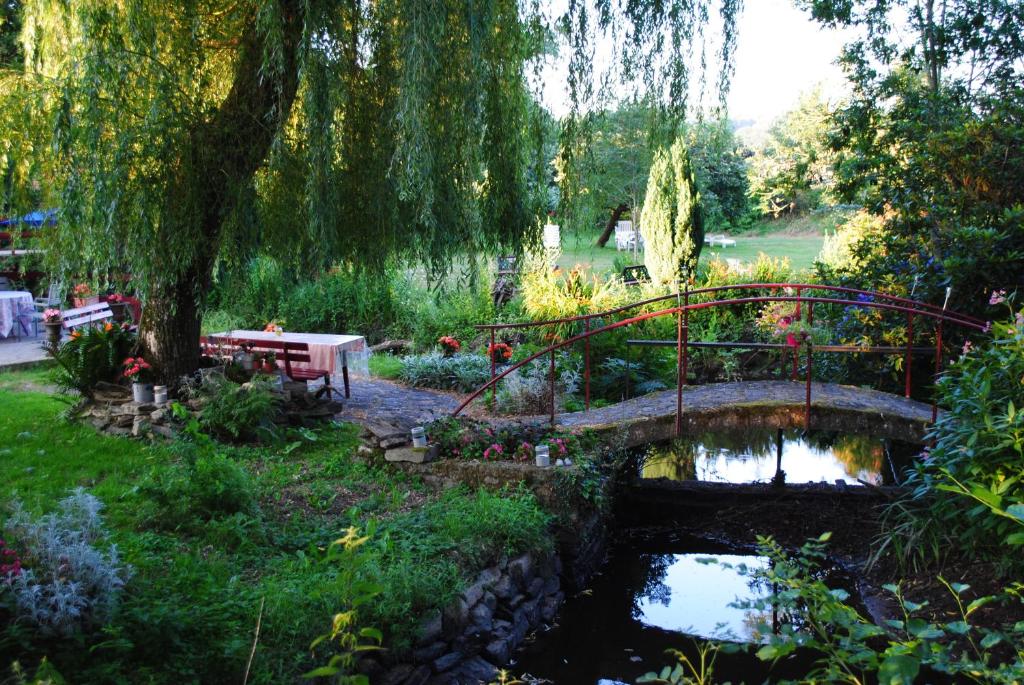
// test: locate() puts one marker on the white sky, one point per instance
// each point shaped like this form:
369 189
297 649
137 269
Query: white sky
781 53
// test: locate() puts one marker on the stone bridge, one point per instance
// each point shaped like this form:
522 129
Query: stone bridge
755 404
390 409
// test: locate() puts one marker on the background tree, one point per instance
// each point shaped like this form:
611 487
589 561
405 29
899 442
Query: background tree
932 140
791 169
720 167
672 222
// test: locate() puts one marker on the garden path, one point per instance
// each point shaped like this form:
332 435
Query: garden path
23 352
379 401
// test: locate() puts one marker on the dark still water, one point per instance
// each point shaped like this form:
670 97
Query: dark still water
652 595
756 457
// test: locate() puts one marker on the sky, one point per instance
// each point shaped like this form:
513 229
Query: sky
781 53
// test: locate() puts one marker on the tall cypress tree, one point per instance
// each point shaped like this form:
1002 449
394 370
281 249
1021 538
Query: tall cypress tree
672 220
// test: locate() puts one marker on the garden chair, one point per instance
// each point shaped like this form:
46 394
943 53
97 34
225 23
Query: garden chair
54 297
5 283
625 236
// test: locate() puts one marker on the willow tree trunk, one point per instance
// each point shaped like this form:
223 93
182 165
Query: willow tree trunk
225 152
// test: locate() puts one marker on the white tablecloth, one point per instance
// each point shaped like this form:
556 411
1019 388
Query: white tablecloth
11 303
324 349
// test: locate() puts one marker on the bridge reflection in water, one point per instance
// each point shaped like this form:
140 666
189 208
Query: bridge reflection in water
761 456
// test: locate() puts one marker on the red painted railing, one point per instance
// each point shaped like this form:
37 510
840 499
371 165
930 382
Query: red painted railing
872 300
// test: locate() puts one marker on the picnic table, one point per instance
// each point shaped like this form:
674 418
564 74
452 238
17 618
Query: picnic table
14 304
325 349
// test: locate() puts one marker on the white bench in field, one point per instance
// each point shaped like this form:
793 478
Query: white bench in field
719 239
90 314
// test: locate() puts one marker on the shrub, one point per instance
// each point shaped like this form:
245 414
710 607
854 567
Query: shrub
345 300
461 372
207 487
454 313
92 355
66 585
238 412
672 222
970 486
527 390
548 294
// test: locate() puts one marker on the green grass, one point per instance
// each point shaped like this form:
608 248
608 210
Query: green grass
201 574
27 378
798 239
385 366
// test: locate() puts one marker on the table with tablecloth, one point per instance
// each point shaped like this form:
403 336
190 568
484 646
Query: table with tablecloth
14 303
325 349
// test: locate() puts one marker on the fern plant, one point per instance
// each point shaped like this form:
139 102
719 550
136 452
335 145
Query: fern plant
91 356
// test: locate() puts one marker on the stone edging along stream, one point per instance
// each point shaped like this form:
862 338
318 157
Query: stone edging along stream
466 642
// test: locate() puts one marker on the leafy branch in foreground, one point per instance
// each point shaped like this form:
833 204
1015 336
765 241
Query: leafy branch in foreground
356 591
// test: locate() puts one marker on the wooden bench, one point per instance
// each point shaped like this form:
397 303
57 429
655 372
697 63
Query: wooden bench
288 352
90 314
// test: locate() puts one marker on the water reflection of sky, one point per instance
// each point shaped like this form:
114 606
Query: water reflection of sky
800 461
695 597
739 460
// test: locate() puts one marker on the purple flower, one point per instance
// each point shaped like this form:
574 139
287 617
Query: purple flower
998 297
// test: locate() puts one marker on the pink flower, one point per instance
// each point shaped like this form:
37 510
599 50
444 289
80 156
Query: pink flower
967 348
998 297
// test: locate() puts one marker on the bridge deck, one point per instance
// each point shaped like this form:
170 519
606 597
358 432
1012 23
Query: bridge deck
723 406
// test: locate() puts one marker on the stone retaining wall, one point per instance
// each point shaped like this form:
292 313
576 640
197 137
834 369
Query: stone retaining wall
113 411
467 642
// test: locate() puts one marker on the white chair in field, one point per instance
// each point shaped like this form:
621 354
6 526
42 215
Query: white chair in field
552 237
625 236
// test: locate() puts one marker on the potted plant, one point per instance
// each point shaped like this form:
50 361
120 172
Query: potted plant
118 307
500 352
138 371
84 295
270 363
54 325
449 345
244 357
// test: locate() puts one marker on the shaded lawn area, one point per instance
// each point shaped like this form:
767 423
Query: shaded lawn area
801 250
189 611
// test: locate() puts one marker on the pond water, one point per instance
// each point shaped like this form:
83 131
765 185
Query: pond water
654 594
756 457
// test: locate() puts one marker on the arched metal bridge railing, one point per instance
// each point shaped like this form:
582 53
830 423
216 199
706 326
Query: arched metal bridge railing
804 307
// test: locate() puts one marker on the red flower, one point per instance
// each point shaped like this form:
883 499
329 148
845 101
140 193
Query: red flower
499 351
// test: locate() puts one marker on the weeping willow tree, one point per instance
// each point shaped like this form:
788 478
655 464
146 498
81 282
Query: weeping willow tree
672 221
172 135
672 59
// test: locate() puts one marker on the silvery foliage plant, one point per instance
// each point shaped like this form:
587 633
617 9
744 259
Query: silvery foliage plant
527 390
67 584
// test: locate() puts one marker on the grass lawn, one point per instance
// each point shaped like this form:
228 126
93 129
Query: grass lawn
799 240
215 532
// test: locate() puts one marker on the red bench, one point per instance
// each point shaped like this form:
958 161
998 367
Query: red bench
288 352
